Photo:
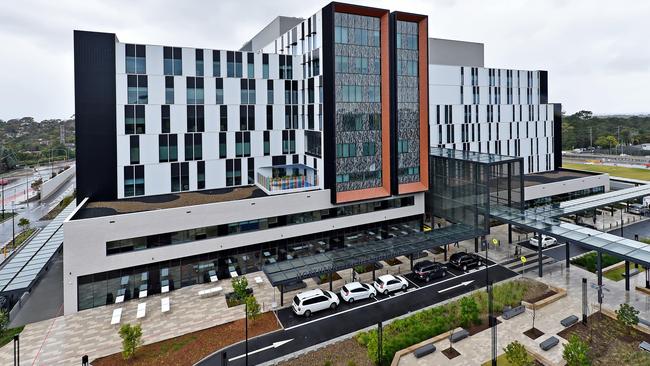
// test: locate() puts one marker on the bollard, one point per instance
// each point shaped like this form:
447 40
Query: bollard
84 360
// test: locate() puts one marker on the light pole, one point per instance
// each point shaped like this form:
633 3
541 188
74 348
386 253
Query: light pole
13 226
246 326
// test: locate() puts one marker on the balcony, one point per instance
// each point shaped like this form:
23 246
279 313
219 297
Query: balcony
282 179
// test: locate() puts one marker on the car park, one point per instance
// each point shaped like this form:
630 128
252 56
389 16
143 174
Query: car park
465 261
389 283
355 291
547 241
637 209
427 270
308 302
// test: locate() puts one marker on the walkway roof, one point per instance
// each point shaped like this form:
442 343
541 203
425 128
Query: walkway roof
472 156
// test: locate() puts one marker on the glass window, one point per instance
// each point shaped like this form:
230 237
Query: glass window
199 62
250 72
137 92
222 145
172 61
223 118
269 92
265 66
135 59
200 174
169 90
219 90
134 142
133 180
165 122
216 63
195 91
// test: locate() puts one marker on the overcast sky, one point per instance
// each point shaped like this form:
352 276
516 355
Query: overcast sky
597 52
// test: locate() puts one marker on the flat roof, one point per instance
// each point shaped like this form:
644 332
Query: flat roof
472 156
172 200
553 176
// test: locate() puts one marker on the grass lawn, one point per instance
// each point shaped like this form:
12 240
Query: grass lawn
6 215
9 334
589 261
21 237
616 274
618 171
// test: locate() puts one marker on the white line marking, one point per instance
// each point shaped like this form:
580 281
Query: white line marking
274 345
384 299
462 284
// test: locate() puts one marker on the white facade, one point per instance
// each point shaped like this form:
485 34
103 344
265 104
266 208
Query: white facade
494 111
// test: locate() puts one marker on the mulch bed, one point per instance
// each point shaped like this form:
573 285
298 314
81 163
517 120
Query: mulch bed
344 353
326 278
190 348
533 333
367 268
537 298
393 261
481 327
610 342
450 353
535 290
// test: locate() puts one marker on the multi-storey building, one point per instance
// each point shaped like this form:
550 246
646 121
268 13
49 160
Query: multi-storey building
313 137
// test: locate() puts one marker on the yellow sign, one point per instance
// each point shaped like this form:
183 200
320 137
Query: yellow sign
426 228
495 241
523 259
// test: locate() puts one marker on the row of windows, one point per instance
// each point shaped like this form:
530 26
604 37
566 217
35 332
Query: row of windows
407 68
208 232
407 41
358 176
413 170
350 150
356 36
360 121
359 94
357 65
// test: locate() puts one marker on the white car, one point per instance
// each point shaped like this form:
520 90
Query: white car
389 283
546 241
354 291
308 302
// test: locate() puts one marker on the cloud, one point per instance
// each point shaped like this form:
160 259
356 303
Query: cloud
595 50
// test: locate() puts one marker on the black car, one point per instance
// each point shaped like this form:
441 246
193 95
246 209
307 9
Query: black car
465 261
427 270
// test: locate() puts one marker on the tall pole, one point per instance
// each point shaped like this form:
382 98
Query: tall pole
492 323
246 322
13 226
380 341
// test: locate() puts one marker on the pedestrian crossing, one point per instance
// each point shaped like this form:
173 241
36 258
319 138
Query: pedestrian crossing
531 264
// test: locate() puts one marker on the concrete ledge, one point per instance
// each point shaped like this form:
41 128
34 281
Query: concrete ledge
401 353
643 289
559 293
612 315
615 266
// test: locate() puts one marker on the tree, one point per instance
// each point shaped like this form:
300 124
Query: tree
627 316
517 355
4 321
584 115
131 339
576 352
452 319
252 308
239 286
607 141
23 223
36 185
469 313
534 313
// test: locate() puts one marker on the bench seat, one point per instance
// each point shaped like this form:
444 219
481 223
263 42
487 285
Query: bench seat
424 350
460 335
549 343
509 314
569 321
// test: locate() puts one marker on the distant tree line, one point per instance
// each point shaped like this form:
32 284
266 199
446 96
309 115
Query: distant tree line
583 130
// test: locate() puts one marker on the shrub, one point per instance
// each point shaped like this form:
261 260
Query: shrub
627 315
239 286
252 308
576 352
23 223
469 313
589 261
4 321
517 355
131 339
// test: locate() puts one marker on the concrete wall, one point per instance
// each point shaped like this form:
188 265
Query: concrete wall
52 185
85 240
566 186
457 53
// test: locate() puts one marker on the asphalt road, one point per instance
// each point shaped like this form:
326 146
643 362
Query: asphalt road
304 333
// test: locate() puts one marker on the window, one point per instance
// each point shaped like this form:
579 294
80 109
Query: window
137 92
223 118
195 118
136 59
169 90
167 148
313 144
402 146
133 180
233 64
134 119
194 90
134 143
199 62
369 149
247 91
269 92
233 172
251 170
222 145
180 177
346 150
216 63
246 117
267 143
200 174
269 117
250 65
289 142
172 61
286 67
265 66
193 146
242 144
219 89
165 120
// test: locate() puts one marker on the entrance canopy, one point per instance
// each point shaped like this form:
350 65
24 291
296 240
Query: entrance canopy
293 270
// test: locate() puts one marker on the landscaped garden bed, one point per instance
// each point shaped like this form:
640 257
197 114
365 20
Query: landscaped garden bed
618 272
233 300
393 262
610 342
368 267
325 278
345 353
589 261
190 348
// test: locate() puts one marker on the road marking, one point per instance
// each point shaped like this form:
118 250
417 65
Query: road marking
274 345
384 299
413 283
462 284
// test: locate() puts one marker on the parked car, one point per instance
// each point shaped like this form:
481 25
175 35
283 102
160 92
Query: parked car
428 270
547 241
637 209
354 291
308 302
389 283
465 261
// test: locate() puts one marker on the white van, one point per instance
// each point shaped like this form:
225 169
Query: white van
308 302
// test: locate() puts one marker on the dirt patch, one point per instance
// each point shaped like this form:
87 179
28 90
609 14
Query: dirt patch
450 353
610 342
548 293
325 278
344 353
190 348
481 327
533 333
393 261
367 268
534 289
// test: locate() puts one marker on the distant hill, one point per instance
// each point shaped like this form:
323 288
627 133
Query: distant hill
576 128
25 141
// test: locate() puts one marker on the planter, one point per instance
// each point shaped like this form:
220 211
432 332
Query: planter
232 300
559 293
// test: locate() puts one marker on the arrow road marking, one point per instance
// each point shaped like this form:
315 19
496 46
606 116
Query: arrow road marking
453 287
274 345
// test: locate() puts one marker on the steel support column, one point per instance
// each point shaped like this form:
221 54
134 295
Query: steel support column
540 270
281 295
331 275
599 267
476 245
627 276
446 245
567 255
509 233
